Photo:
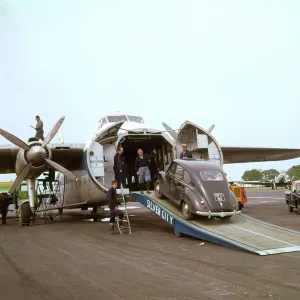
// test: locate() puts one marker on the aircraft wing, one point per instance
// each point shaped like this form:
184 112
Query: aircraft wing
249 154
8 156
251 182
68 155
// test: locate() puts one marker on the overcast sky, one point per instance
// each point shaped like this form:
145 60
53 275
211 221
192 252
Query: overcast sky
235 64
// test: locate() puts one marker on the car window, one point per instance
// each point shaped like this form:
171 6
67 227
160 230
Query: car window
179 172
186 177
172 168
211 175
298 186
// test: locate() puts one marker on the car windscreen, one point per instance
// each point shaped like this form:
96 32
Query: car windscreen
211 176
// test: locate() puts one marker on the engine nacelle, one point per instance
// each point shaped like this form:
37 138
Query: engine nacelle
36 155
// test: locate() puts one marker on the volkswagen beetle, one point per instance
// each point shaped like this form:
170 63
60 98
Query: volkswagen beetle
198 187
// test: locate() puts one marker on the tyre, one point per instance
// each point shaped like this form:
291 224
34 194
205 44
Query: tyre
188 215
158 194
25 213
298 209
241 206
178 234
290 208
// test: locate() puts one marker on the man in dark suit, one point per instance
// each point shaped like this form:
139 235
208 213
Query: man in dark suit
185 152
118 166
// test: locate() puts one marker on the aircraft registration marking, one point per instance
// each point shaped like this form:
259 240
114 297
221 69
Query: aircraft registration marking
160 212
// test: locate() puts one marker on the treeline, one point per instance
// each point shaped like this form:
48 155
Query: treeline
270 174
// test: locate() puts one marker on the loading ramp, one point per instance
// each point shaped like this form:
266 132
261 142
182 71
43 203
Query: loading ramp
240 232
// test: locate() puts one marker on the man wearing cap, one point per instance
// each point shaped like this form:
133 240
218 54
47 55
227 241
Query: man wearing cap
185 153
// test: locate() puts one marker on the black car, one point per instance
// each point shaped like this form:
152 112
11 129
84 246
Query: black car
292 197
198 187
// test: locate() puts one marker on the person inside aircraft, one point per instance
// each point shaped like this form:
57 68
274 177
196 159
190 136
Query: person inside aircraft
142 169
185 153
118 166
153 170
125 173
113 206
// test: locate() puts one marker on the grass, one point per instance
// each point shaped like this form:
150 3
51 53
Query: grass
4 186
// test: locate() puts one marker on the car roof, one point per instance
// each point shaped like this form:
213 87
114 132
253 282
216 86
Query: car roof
194 165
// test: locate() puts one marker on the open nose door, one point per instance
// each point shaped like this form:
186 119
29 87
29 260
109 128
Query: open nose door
109 134
200 142
99 148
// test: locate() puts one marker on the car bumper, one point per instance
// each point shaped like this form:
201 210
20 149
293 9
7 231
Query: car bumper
222 214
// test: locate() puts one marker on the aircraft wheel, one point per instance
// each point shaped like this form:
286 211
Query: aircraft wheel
290 208
178 234
158 194
188 215
25 213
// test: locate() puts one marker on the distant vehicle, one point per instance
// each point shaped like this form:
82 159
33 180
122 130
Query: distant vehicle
282 180
240 194
292 197
198 187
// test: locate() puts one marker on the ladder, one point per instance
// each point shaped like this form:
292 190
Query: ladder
49 200
126 217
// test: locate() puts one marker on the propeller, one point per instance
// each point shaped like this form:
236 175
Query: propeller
36 155
20 177
14 140
53 132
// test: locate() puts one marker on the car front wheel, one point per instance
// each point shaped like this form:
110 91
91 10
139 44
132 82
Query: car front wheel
188 215
158 194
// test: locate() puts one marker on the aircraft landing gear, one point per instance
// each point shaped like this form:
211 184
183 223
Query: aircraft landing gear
25 214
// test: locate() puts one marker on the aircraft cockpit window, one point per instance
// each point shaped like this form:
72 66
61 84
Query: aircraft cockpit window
135 119
112 119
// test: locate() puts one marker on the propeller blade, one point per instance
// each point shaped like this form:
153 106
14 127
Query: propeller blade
13 139
53 132
61 169
20 178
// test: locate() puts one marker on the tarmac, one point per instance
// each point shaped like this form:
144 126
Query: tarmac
77 259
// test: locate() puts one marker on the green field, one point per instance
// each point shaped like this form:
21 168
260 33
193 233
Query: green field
4 186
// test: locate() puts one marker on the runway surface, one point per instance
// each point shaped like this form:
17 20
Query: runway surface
77 259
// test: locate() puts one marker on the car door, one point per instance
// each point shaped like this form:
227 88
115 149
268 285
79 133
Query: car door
200 142
166 188
176 184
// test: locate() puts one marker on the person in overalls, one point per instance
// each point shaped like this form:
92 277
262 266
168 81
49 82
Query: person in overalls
142 169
